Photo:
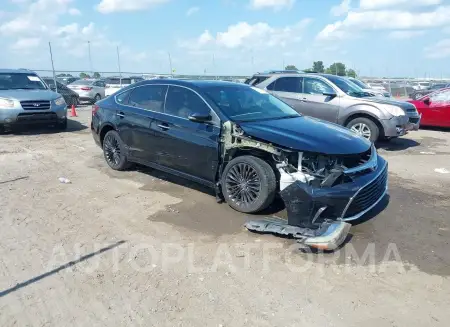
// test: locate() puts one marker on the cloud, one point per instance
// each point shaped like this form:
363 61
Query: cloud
192 11
245 35
405 34
74 12
111 6
341 9
439 50
26 43
378 4
385 20
274 4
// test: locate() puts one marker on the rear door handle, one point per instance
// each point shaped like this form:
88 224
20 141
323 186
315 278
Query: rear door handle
120 114
164 126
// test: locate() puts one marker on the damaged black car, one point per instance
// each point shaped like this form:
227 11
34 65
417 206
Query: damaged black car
250 147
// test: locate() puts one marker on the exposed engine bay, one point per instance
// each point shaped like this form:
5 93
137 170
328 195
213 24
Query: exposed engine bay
317 189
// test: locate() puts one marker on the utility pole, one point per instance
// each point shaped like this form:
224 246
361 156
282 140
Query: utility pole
284 67
118 63
53 66
170 63
214 65
90 58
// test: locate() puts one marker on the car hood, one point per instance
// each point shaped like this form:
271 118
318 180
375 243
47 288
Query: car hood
30 95
402 104
307 134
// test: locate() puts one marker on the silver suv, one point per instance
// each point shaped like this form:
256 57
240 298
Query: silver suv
340 101
26 99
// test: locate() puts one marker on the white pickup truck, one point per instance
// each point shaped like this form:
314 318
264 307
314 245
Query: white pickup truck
114 84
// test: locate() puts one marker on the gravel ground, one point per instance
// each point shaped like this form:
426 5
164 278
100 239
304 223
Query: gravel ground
142 248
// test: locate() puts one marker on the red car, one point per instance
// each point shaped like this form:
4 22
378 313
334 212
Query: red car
434 108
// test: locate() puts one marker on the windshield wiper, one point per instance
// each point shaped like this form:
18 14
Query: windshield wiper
25 88
266 119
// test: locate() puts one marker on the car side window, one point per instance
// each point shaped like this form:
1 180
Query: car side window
122 98
150 97
440 97
181 102
316 86
288 84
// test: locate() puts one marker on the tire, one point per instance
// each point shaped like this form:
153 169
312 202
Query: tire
114 151
260 185
365 124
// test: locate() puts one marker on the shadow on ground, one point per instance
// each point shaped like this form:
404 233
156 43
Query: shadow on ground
72 126
397 144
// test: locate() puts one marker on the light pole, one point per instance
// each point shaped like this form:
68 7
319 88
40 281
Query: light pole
90 58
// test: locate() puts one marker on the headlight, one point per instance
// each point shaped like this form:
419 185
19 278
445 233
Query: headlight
394 110
60 101
6 103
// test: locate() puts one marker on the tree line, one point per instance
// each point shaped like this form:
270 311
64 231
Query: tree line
82 75
337 68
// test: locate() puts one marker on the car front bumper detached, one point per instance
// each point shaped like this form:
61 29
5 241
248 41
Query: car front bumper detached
318 217
400 126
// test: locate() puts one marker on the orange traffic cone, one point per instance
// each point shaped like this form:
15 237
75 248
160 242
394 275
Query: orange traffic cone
73 112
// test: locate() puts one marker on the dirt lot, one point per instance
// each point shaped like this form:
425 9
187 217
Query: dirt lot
142 248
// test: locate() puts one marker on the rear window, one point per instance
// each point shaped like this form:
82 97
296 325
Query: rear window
82 82
255 80
116 81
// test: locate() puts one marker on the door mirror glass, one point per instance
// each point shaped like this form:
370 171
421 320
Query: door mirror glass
200 117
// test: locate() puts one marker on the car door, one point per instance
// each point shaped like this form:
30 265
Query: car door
318 99
136 110
438 111
187 146
100 88
288 89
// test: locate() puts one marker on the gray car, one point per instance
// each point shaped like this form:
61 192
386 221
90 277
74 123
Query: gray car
340 101
26 99
91 90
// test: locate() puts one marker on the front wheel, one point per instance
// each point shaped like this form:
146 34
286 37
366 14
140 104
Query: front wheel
364 127
97 97
248 184
114 151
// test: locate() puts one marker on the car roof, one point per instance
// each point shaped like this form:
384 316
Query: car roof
12 71
191 83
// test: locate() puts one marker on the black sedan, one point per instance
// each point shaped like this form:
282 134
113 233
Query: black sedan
71 97
246 144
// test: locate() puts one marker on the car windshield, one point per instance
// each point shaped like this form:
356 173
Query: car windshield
348 87
361 84
243 104
21 81
116 81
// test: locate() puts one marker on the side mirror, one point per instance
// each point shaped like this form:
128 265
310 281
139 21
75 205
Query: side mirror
200 117
52 87
427 101
330 94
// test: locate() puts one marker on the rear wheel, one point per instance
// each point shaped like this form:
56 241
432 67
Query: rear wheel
114 151
248 184
364 127
97 97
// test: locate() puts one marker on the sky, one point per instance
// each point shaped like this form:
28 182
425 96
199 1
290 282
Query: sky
390 38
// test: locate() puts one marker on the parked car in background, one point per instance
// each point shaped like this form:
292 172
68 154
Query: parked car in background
434 108
366 88
376 86
113 84
417 94
25 99
71 97
336 99
91 90
67 80
421 85
245 144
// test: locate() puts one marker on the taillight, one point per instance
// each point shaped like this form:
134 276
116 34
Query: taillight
95 108
86 88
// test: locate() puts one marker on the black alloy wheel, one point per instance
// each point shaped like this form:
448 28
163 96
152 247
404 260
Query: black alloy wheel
243 184
114 151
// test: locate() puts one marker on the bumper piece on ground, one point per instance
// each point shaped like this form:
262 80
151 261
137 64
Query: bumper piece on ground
329 236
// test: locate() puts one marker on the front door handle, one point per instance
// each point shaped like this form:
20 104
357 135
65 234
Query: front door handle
164 126
120 114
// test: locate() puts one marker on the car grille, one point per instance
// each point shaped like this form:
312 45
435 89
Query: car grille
35 105
413 120
37 117
368 195
411 110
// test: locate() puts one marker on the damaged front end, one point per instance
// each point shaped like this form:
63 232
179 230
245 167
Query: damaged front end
321 192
